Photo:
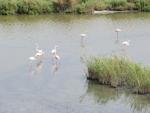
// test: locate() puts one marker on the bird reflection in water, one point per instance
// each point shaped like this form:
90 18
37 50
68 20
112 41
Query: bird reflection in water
36 68
55 68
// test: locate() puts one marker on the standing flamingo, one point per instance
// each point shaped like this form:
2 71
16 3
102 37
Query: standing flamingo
39 52
32 59
83 36
117 31
126 43
55 56
54 51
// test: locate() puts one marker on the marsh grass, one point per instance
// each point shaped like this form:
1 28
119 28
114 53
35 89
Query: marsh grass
88 6
32 7
118 71
35 7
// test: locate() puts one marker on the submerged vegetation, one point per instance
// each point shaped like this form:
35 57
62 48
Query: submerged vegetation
104 95
118 71
33 7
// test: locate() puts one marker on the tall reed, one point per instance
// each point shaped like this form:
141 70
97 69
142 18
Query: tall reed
118 71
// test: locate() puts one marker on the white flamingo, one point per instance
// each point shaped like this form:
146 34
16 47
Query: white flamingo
32 59
39 52
54 51
126 43
117 31
57 57
83 35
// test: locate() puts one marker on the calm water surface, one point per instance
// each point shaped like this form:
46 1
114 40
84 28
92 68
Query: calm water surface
41 87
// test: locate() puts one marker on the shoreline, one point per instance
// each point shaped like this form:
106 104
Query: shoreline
103 12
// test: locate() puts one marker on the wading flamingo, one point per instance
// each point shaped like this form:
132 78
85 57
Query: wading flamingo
126 43
54 51
83 36
39 52
55 56
117 31
32 59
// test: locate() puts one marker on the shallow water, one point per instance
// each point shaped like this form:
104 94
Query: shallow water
42 87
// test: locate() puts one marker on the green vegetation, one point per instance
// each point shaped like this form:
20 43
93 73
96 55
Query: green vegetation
12 7
34 7
117 71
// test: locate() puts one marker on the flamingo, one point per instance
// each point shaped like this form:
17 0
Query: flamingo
117 31
32 58
83 35
54 51
39 52
126 43
31 61
37 49
57 57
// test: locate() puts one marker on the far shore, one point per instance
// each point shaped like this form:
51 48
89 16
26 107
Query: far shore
110 12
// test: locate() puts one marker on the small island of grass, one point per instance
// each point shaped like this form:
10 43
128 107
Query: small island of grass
119 72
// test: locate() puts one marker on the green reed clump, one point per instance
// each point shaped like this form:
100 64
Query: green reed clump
85 7
117 5
32 7
143 5
118 71
64 5
88 6
8 7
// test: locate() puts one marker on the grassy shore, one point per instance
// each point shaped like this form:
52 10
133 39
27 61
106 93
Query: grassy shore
118 71
34 7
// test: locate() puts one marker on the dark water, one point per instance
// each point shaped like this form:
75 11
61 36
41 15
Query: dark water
40 89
